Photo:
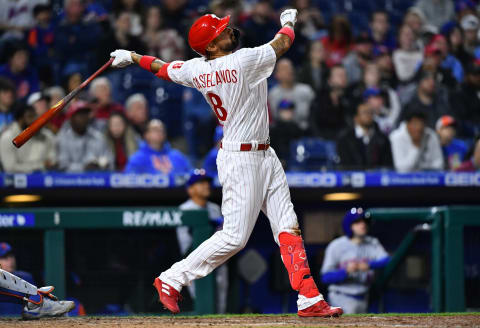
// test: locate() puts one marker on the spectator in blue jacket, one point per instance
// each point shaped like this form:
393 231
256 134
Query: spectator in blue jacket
155 154
449 61
349 263
380 30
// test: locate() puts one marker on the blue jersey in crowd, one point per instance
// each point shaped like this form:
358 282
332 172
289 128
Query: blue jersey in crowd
148 160
454 153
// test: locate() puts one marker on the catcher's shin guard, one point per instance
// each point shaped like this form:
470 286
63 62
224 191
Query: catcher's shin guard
294 258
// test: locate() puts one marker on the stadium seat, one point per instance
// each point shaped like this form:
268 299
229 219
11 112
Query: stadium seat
383 4
402 5
363 6
396 19
359 21
312 154
327 6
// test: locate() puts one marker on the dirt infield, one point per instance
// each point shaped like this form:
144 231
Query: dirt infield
457 320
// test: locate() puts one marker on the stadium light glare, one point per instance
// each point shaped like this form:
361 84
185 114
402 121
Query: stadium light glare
22 198
341 196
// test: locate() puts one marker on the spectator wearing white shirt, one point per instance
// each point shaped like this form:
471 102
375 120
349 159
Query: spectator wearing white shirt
38 154
300 94
415 147
407 57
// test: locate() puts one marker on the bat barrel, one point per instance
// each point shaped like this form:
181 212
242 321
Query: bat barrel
26 134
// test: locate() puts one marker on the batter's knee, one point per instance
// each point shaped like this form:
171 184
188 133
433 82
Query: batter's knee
236 243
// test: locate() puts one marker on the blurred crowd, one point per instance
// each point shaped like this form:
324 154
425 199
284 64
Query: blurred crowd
368 85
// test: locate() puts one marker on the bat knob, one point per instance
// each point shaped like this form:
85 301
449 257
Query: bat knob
16 144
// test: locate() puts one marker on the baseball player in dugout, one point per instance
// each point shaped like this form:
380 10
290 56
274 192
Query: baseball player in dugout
234 83
350 261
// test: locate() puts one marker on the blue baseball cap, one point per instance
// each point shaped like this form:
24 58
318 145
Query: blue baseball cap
354 214
196 176
218 135
371 92
5 249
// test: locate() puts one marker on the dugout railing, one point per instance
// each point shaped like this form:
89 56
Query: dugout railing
54 221
446 224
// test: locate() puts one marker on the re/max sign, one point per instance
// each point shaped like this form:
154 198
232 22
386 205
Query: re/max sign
152 218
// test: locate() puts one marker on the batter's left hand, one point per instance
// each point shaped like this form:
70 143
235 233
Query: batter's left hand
289 15
122 58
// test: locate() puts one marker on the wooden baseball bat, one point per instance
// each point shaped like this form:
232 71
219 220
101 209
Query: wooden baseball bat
26 134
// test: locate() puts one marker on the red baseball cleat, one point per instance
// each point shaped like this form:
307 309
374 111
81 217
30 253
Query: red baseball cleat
321 309
168 296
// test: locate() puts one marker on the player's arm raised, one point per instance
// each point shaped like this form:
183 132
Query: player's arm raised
125 57
284 38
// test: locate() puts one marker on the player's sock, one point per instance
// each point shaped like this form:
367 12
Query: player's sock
295 260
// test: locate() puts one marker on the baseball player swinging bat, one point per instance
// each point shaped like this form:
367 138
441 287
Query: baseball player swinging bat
30 131
234 83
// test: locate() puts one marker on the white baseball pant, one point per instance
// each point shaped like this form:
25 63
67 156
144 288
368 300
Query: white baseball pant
251 181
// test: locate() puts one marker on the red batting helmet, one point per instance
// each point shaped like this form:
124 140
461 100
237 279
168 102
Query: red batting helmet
204 30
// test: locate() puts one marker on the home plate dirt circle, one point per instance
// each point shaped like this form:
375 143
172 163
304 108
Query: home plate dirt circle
453 320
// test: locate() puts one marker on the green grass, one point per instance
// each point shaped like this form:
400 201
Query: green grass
443 314
250 315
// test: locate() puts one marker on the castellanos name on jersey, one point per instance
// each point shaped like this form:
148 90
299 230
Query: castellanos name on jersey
235 86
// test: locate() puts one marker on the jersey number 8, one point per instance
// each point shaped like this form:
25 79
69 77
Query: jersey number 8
216 102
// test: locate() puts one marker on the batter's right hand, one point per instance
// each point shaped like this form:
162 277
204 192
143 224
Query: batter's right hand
288 16
122 58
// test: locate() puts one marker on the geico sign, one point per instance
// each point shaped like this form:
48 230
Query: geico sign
462 179
139 180
312 179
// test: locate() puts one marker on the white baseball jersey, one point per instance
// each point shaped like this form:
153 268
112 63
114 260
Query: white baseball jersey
235 86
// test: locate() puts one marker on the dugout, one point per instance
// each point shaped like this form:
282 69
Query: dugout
319 218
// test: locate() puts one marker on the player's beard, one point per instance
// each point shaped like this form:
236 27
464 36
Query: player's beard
235 40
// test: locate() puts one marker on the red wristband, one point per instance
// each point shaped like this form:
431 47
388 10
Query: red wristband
163 72
288 31
146 62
